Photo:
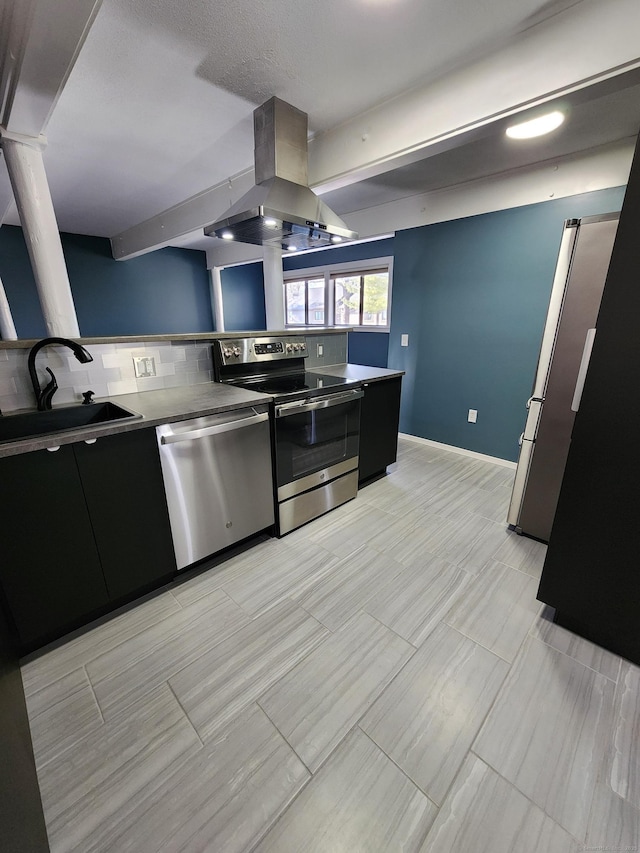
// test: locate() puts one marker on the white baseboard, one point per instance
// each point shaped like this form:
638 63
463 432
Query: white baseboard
506 463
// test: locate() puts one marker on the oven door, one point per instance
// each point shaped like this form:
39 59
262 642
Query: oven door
316 440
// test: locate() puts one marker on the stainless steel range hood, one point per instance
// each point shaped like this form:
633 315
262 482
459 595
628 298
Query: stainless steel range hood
281 210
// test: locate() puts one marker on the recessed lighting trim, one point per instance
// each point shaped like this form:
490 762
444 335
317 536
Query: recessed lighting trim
536 126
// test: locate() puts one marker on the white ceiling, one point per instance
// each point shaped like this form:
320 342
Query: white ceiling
158 104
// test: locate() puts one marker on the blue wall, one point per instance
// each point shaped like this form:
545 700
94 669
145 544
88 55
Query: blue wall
371 348
472 294
166 291
243 297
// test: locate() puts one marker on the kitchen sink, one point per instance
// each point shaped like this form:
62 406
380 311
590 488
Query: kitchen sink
32 424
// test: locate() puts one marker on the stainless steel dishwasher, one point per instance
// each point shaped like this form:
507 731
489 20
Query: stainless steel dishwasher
218 480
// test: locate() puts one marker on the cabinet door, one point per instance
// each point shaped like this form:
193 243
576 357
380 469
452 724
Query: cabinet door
21 816
124 491
51 574
379 419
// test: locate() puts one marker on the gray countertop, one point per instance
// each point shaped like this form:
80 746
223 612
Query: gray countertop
358 372
173 404
156 407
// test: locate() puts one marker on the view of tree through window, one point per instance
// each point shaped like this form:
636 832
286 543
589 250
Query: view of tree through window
362 300
352 297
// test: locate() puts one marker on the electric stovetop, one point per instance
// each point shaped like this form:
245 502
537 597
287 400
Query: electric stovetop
294 383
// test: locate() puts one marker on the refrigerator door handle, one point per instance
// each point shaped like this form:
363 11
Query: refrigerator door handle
534 400
533 419
582 371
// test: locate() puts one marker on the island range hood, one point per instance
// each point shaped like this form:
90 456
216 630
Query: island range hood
281 209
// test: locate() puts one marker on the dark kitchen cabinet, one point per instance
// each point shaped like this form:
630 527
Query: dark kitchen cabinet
590 575
83 528
379 419
21 815
51 573
123 487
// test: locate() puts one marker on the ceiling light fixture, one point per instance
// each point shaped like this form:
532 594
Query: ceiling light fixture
536 126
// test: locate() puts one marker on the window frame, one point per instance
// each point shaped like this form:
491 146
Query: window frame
329 272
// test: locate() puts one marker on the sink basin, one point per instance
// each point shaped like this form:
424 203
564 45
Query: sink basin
31 424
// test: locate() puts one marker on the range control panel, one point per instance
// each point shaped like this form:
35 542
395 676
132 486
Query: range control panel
252 350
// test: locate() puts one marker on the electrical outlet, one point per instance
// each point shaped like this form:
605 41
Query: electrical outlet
404 340
472 417
144 366
320 350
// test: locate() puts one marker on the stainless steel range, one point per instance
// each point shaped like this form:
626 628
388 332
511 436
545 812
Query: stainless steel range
316 423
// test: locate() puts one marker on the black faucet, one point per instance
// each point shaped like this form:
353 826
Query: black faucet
44 395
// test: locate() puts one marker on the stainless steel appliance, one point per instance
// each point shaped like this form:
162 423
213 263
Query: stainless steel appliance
585 252
217 477
316 421
281 209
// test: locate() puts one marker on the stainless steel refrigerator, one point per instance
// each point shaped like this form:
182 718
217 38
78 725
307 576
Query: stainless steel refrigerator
585 252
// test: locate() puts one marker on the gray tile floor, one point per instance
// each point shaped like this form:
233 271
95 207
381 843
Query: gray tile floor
381 680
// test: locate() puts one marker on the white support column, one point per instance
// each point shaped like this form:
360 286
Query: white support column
216 298
7 328
33 200
273 287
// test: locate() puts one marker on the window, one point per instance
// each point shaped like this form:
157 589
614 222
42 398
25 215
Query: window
305 302
355 295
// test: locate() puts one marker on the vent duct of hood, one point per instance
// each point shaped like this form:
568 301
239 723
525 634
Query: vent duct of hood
281 210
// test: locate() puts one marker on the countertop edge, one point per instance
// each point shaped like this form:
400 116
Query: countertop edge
27 343
234 398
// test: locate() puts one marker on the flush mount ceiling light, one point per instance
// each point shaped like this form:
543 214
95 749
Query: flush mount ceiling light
536 126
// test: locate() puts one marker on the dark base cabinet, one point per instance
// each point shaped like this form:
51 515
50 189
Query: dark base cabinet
82 528
379 420
123 487
21 815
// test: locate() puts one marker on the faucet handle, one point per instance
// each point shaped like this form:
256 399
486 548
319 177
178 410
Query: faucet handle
88 397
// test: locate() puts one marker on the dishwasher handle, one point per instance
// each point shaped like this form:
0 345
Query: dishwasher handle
286 409
216 429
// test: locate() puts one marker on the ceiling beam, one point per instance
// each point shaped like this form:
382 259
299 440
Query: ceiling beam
587 44
42 41
39 43
576 49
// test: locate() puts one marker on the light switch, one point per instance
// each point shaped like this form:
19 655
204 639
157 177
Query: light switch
472 417
320 350
404 340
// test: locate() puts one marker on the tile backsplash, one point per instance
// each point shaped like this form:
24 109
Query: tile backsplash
177 363
110 373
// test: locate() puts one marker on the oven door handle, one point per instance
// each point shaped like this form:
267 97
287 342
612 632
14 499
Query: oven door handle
285 409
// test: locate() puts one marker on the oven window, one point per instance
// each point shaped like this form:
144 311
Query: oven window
311 441
315 443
